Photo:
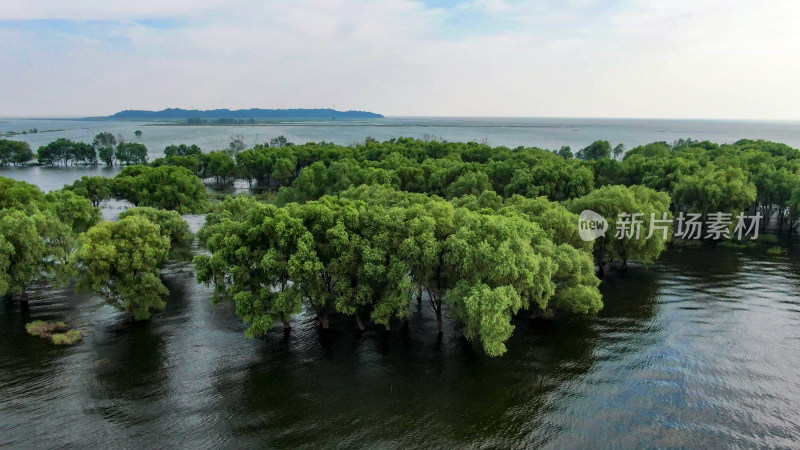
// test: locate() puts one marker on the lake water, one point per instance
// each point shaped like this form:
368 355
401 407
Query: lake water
543 133
699 349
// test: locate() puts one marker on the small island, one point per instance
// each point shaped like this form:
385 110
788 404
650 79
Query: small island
238 116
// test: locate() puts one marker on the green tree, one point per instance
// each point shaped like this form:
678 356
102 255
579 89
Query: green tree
470 183
219 165
254 165
138 134
610 202
84 153
14 152
121 261
503 265
104 143
565 152
253 247
170 223
236 145
618 151
131 153
18 194
279 141
164 187
95 188
60 151
182 150
594 151
714 189
25 257
72 210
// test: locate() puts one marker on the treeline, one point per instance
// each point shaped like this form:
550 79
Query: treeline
700 177
47 240
106 148
483 233
220 121
372 250
165 187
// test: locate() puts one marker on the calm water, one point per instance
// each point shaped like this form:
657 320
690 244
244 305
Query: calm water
543 133
685 353
697 350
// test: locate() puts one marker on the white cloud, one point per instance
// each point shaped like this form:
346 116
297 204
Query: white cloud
399 57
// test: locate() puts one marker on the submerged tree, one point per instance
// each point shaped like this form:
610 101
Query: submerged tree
121 262
14 152
104 144
163 187
37 234
95 188
628 236
170 223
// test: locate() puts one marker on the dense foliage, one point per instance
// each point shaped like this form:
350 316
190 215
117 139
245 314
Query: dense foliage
121 261
14 152
368 251
38 233
478 233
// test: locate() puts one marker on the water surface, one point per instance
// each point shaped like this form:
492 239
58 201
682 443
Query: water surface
686 352
699 349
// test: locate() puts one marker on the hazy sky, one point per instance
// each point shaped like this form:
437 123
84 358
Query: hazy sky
574 58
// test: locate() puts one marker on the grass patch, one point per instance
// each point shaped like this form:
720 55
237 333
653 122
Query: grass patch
776 251
58 333
68 338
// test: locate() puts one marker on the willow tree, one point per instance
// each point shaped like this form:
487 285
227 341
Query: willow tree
502 265
164 187
428 228
96 188
26 258
121 261
575 280
369 272
715 189
612 201
255 249
38 234
170 223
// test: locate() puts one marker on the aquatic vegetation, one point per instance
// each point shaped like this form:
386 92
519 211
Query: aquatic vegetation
68 338
59 332
776 251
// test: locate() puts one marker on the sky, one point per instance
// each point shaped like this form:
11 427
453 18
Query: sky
717 59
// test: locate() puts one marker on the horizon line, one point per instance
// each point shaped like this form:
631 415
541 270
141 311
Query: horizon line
385 116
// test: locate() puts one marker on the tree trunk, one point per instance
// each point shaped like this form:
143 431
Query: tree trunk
388 326
286 324
600 270
323 320
624 264
359 322
23 298
439 319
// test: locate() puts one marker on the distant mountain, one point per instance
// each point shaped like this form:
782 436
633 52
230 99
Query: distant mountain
254 113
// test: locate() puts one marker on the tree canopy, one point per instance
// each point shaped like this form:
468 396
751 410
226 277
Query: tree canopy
121 261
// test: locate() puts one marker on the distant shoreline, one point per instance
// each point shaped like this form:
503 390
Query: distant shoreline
242 114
